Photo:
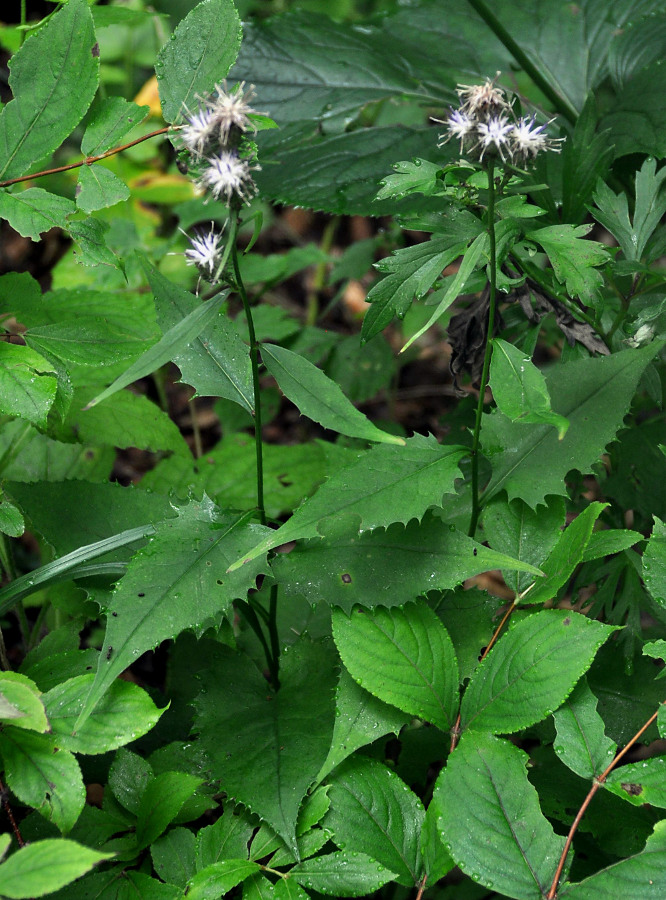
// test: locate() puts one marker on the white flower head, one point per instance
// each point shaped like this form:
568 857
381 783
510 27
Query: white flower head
228 176
460 126
205 252
198 132
231 109
528 140
495 132
482 99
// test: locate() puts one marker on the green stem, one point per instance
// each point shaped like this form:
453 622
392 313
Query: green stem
490 168
560 104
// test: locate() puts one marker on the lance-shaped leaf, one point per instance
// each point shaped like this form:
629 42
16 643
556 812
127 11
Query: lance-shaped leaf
53 79
519 388
414 647
342 874
581 742
44 866
387 484
484 791
384 568
360 719
318 397
642 875
565 555
594 395
217 361
410 273
374 812
467 266
203 48
42 776
511 527
168 347
176 582
268 763
654 562
531 670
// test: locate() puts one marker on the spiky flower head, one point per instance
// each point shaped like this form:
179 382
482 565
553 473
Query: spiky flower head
227 176
485 125
198 132
231 110
205 252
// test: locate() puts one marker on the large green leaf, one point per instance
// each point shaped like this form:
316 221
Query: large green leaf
384 568
34 211
360 719
219 878
373 811
531 670
201 51
228 838
268 763
643 875
654 563
124 714
574 260
594 395
484 791
511 527
53 80
27 383
581 742
89 341
173 855
414 647
387 484
176 582
43 776
318 397
217 362
342 874
44 866
161 802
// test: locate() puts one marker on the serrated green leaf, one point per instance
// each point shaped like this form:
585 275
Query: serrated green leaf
45 866
269 764
109 121
42 776
412 644
318 397
581 742
200 53
53 79
171 344
34 211
519 388
176 582
654 562
285 889
484 790
573 258
341 874
161 802
124 714
594 395
93 250
609 541
173 856
89 342
565 555
531 670
216 362
384 568
467 266
511 527
374 812
360 719
27 383
228 838
219 878
643 875
415 176
410 273
21 704
99 188
387 484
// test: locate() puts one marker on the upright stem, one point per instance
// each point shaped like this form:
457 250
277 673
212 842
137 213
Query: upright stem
490 168
254 362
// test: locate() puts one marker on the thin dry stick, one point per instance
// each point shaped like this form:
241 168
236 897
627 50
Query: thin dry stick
89 160
598 782
10 815
455 731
